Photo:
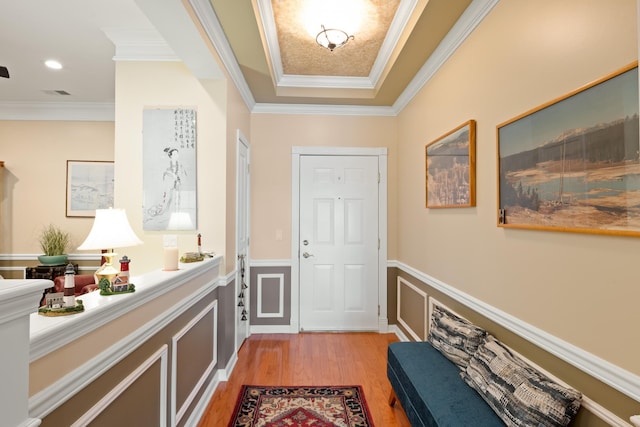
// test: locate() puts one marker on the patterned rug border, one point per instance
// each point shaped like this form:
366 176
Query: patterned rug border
233 422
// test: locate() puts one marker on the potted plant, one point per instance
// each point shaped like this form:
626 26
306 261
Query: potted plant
54 243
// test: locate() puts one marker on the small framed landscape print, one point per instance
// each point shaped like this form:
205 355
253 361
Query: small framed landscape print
451 168
89 187
573 164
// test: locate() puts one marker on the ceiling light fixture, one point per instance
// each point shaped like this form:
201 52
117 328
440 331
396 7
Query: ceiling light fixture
332 38
53 64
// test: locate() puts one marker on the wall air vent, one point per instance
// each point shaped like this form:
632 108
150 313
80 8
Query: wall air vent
57 92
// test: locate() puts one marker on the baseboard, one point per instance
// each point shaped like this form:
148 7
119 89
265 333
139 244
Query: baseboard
270 329
396 330
201 407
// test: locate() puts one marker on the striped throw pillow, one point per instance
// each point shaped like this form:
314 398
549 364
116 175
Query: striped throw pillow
456 338
520 394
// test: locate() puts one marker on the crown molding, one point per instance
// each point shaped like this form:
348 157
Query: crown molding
148 45
399 22
318 109
470 19
325 82
212 27
175 31
403 14
58 111
270 34
139 45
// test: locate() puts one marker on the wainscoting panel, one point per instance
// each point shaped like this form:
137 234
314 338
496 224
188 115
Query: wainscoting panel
194 351
116 408
197 338
270 295
412 309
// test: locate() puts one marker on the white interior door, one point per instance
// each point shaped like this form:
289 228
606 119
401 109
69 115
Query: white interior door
242 240
338 246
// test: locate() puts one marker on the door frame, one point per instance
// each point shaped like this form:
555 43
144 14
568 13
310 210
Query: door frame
241 140
381 153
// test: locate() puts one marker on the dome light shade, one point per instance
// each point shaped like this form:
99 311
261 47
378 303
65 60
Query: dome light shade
332 38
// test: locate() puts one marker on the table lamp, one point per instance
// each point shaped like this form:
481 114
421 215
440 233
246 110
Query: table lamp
110 230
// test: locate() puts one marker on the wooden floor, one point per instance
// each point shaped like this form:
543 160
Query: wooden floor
311 359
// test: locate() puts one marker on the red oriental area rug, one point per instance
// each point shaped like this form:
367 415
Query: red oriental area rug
328 406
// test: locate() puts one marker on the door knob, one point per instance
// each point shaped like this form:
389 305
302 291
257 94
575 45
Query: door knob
307 255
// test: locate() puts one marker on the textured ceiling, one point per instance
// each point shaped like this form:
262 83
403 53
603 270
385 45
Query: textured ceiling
301 54
273 64
317 69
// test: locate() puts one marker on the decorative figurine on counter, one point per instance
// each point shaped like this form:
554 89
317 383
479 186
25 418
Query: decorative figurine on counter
63 303
124 269
196 256
69 286
121 284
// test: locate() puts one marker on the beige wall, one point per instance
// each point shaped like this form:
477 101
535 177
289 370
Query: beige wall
35 155
581 288
273 135
578 287
169 84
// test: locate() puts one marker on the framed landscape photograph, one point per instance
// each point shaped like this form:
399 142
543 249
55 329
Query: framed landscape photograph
89 187
573 164
451 168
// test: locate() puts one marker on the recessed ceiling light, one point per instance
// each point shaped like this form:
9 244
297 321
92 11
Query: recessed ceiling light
53 64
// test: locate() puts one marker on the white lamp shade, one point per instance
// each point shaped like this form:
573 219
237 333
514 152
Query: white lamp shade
110 230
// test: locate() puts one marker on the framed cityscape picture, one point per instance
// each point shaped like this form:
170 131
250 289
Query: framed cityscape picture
451 168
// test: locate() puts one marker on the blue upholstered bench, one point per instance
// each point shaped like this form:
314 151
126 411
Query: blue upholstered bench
430 390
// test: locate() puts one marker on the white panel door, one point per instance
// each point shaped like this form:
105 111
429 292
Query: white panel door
242 240
338 243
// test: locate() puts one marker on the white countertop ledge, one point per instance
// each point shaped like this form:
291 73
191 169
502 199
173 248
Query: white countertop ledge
50 333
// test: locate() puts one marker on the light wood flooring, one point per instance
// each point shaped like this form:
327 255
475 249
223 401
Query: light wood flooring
311 359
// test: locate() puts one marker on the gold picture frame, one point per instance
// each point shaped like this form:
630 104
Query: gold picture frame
573 164
450 165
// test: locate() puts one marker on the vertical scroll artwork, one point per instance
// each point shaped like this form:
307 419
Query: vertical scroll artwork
169 169
573 164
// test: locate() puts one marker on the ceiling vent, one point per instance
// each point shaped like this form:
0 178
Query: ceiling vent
57 92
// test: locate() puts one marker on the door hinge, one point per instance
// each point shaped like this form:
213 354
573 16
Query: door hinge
378 177
378 243
378 310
